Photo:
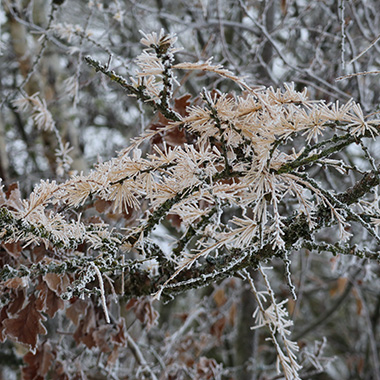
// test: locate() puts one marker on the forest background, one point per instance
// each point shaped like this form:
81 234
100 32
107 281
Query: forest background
250 198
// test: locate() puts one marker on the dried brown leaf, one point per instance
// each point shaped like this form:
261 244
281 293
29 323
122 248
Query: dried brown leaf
131 303
119 337
26 325
217 327
60 371
53 281
102 206
38 253
57 283
175 136
232 314
39 363
86 328
339 286
206 368
175 220
144 311
284 7
13 249
17 302
48 301
157 139
102 337
358 301
14 197
220 297
113 357
181 104
76 310
291 306
16 282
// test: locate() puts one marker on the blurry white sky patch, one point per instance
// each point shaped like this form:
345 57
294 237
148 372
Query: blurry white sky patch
101 142
162 238
2 13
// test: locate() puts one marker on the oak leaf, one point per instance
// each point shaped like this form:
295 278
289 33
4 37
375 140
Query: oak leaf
16 282
181 104
77 309
56 283
26 325
144 311
14 197
102 338
18 299
86 328
48 301
13 249
39 363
